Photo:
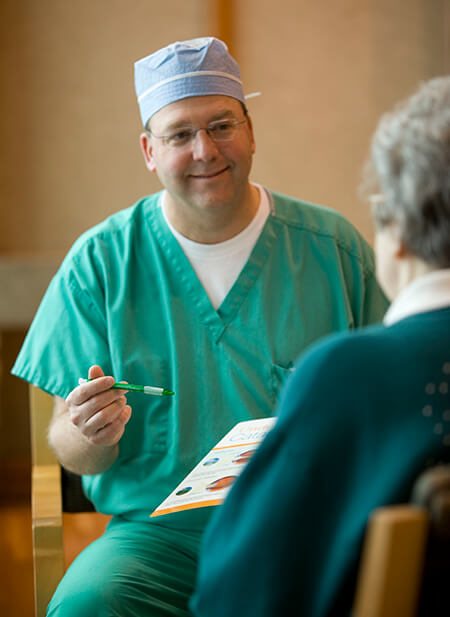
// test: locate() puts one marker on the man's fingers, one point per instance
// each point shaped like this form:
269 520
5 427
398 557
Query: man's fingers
111 433
95 371
88 389
104 416
126 414
98 411
105 403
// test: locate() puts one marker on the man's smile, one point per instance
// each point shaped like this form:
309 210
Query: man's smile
208 175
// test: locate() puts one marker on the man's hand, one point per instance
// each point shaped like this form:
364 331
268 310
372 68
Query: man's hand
98 412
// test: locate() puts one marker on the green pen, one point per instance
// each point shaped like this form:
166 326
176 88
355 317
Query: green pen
145 389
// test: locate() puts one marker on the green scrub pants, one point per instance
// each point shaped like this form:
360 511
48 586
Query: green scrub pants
134 569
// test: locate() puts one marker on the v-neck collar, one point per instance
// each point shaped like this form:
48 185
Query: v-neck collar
191 288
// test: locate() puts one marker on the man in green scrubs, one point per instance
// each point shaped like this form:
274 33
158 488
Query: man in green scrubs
210 288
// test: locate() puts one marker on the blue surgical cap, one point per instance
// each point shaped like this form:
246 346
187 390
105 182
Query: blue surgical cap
188 68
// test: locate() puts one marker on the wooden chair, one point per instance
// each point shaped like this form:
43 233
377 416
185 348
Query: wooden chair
53 491
405 564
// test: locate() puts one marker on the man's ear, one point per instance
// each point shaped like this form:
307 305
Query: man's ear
252 136
147 151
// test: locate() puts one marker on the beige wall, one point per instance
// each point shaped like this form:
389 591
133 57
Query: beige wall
69 118
327 70
69 121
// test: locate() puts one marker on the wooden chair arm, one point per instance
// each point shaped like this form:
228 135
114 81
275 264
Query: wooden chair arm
392 562
46 504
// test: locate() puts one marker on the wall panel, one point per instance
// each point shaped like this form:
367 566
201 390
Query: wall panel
327 70
69 119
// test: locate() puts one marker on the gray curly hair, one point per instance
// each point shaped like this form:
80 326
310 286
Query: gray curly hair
410 164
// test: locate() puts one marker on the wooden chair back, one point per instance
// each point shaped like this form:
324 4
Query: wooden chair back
405 563
392 563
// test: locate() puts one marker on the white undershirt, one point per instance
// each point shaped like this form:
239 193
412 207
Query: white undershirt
217 266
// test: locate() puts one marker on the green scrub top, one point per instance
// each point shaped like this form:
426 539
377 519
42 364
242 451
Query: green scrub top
126 298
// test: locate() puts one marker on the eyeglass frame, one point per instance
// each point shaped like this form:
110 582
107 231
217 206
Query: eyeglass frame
193 132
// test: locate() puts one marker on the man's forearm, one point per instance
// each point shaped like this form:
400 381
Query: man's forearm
73 450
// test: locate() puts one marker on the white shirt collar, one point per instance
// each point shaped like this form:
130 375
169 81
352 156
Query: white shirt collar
426 293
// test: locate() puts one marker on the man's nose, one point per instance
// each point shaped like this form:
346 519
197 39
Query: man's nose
203 146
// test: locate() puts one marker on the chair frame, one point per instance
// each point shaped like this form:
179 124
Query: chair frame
392 563
46 504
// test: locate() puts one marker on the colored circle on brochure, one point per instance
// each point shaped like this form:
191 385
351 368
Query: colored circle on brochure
221 483
211 461
184 490
243 457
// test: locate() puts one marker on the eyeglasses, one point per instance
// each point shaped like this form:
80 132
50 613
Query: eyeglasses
220 130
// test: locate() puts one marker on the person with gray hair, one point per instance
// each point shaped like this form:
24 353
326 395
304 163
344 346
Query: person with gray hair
411 161
363 414
208 289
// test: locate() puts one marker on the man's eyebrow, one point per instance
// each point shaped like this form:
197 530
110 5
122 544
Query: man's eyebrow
176 124
226 113
219 115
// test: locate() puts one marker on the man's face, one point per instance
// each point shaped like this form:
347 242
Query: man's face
202 174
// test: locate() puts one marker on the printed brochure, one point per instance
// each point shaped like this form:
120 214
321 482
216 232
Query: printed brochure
209 482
